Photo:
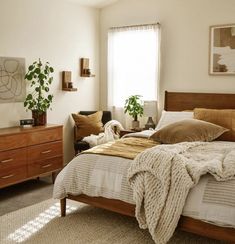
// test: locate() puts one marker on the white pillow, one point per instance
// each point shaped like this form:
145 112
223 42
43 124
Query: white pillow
169 117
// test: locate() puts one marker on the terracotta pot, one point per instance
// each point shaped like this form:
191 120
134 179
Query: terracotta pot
40 118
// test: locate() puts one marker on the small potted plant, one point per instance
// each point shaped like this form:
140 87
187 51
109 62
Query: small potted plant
133 106
38 100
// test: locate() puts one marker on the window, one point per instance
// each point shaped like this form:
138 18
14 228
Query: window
133 60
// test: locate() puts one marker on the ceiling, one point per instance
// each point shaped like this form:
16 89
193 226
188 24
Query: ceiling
95 3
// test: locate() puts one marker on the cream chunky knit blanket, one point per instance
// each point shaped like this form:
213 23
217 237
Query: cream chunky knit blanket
162 176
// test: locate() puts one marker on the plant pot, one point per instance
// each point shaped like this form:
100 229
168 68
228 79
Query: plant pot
40 118
135 124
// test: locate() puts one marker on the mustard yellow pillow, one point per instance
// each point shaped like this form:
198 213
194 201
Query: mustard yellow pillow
222 117
88 124
188 130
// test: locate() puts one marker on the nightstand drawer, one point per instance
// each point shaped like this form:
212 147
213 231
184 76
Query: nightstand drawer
44 151
44 166
44 136
13 158
11 176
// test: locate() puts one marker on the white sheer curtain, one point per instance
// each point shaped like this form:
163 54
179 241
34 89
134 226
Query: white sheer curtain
133 66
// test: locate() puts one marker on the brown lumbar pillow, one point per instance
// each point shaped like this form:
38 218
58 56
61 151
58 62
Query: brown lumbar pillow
88 124
222 117
188 130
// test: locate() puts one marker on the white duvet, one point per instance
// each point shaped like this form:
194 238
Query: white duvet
106 176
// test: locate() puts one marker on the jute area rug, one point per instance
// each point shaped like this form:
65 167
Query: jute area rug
41 223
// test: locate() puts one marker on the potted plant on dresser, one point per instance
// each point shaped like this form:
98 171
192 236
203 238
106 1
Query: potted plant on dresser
134 107
38 99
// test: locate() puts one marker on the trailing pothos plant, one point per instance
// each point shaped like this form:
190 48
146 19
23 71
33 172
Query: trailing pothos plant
133 106
39 76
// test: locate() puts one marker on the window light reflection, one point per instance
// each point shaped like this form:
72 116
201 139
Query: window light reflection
31 227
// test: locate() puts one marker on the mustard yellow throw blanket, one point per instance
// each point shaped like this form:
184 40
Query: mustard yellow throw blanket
125 147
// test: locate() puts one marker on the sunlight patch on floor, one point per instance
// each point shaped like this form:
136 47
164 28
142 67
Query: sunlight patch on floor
31 227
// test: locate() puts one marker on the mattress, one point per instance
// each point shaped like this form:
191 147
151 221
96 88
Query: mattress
106 176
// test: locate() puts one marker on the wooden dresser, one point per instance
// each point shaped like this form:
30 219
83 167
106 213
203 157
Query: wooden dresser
27 153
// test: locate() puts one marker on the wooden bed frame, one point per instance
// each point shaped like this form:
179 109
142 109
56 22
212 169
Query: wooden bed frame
174 101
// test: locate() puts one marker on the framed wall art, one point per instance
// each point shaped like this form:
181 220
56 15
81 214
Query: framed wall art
222 50
12 83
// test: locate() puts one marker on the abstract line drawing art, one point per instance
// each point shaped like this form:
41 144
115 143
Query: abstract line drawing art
12 83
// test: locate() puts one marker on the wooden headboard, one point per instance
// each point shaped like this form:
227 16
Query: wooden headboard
179 101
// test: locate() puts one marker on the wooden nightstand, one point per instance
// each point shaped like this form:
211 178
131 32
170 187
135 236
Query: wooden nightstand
124 132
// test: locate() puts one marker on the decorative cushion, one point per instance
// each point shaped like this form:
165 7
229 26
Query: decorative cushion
222 117
169 117
88 124
188 130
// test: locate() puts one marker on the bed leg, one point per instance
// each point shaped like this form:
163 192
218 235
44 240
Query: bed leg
63 207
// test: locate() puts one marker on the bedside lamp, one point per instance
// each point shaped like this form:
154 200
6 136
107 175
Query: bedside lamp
150 110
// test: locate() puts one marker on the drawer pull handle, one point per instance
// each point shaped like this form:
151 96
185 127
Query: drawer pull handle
7 160
46 166
7 176
45 152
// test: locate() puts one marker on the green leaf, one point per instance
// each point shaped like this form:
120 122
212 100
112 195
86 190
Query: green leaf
29 77
31 67
29 96
51 70
41 76
50 80
37 70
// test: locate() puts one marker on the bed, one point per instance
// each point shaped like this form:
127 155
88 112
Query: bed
174 101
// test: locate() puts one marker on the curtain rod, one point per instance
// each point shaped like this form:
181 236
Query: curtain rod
129 26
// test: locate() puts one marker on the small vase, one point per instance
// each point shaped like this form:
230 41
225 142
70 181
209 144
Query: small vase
40 118
135 124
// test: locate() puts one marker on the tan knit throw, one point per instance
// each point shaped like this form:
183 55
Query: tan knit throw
162 176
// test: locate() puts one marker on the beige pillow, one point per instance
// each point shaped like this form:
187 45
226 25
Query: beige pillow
88 124
188 130
222 117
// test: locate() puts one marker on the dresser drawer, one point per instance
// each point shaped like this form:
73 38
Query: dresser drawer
44 166
48 135
8 142
43 151
8 177
13 159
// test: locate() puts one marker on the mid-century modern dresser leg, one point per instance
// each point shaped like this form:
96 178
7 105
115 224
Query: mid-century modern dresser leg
63 207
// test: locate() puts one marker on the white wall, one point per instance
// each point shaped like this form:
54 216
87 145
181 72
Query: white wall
59 32
185 40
